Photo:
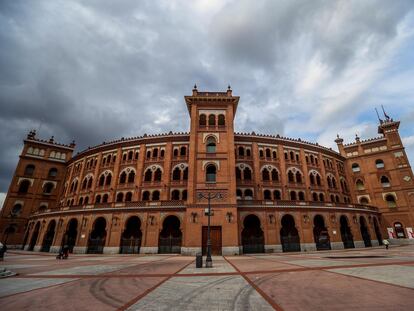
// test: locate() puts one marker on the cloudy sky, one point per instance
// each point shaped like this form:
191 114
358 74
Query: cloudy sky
101 69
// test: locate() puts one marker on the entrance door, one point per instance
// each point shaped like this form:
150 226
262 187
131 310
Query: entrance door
215 236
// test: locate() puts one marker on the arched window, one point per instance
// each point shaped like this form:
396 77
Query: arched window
136 155
90 180
301 196
390 199
16 210
120 197
321 197
145 196
328 179
241 151
123 178
84 183
318 180
239 194
184 195
157 174
108 180
183 151
363 200
148 175
211 171
265 175
360 184
355 167
155 195
98 199
175 195
203 120
148 154
86 201
248 194
332 198
211 120
81 201
124 157
211 145
298 177
248 152
53 172
337 198
101 180
162 153
261 153
292 156
267 153
131 177
130 155
385 182
29 170
238 173
109 158
277 195
315 196
293 195
24 186
185 174
274 155
175 153
48 188
379 163
267 195
333 182
247 174
176 174
291 177
128 197
221 120
312 179
105 198
155 153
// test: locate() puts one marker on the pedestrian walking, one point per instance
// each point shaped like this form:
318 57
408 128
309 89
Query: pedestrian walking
386 243
3 249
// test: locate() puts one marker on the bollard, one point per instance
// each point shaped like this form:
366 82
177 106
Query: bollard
199 260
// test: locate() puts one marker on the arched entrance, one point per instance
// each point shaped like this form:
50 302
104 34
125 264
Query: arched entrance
346 233
320 234
399 230
71 234
48 239
252 235
35 235
289 235
364 231
377 231
97 237
131 237
170 236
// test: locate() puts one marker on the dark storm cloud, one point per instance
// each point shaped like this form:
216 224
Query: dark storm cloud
99 70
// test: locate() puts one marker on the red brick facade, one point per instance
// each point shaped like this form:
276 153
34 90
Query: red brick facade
142 194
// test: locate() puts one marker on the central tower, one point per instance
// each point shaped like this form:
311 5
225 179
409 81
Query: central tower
212 169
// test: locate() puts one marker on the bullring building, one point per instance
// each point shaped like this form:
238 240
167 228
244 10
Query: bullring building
276 194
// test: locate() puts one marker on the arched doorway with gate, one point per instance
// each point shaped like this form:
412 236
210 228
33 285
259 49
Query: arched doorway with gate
252 235
289 235
377 231
346 234
364 231
170 236
96 241
131 236
399 230
71 234
35 235
320 234
49 236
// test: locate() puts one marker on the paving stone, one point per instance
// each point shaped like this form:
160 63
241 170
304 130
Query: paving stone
85 270
15 285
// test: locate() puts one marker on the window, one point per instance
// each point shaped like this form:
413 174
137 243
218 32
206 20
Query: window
267 153
184 195
145 196
221 120
175 153
248 194
298 177
98 199
29 170
239 194
355 168
261 154
293 195
16 210
390 199
90 180
156 195
265 175
131 177
274 155
185 174
363 200
321 197
241 151
247 174
157 174
248 152
53 172
360 184
385 182
312 179
81 201
203 120
101 180
123 178
379 163
108 179
301 196
155 153
175 195
211 120
105 198
238 173
120 197
315 196
277 195
48 187
24 186
211 173
267 195
183 151
291 176
128 197
148 175
148 154
211 145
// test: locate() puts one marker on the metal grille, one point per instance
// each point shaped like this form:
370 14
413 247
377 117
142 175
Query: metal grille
95 246
130 246
169 245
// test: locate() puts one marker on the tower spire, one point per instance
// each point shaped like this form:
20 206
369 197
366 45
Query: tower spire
379 119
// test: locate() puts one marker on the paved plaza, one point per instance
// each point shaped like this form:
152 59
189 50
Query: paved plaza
358 279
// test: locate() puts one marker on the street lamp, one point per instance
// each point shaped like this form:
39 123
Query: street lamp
209 196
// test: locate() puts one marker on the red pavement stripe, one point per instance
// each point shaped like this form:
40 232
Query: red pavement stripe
139 297
258 289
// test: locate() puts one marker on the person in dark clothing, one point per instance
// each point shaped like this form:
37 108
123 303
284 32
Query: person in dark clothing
3 250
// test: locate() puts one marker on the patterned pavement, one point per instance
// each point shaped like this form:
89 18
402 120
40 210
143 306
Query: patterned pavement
362 279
